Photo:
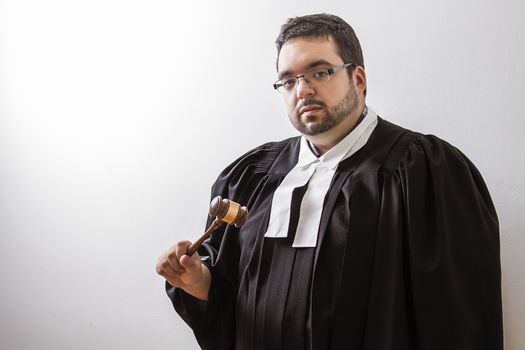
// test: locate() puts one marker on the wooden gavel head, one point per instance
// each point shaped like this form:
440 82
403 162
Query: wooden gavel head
224 210
228 211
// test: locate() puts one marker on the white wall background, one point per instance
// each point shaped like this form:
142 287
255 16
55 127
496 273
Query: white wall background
116 116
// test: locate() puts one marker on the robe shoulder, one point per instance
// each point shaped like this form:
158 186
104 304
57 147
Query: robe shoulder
430 160
245 172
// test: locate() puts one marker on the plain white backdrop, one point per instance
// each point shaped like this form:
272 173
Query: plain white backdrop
116 116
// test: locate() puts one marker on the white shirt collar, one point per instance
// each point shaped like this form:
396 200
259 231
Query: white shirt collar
342 150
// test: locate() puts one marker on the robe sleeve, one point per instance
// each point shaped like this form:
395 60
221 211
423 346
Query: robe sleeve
451 249
213 321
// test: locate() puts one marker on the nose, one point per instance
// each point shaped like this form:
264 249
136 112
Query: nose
302 89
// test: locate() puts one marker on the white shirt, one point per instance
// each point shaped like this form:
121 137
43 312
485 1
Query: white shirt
318 173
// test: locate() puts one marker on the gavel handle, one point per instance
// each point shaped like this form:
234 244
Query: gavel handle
214 225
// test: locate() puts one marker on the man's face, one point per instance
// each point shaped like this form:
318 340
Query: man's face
326 111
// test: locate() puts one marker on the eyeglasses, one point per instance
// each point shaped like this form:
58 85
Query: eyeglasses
313 78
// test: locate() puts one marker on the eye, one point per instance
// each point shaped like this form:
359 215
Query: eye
320 74
288 83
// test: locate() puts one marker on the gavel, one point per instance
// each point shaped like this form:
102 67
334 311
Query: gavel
224 210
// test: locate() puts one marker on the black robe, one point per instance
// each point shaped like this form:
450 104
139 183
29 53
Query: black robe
407 255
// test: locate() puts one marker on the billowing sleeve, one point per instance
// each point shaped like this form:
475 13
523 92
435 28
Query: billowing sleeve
213 321
451 249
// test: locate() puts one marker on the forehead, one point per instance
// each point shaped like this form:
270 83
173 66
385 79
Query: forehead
299 54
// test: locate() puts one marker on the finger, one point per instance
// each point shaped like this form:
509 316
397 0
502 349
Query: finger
191 263
196 259
165 269
173 261
186 262
181 248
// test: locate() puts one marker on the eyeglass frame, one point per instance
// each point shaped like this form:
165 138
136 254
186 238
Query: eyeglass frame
331 70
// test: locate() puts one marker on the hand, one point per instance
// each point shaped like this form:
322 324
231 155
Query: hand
185 272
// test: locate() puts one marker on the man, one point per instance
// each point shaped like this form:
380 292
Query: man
361 234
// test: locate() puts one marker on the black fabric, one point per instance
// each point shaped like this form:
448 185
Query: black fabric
407 257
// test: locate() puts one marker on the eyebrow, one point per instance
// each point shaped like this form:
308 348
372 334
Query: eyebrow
313 64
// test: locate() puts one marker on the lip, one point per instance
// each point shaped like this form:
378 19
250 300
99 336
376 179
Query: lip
309 109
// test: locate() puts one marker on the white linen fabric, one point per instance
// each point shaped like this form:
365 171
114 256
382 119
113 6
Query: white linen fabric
318 174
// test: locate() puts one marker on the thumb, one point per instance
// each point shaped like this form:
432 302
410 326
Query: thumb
190 262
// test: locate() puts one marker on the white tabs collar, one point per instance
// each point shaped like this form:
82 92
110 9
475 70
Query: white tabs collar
306 172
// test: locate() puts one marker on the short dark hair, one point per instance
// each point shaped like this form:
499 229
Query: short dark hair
323 25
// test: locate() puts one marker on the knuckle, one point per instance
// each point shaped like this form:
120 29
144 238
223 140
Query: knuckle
172 256
165 266
160 270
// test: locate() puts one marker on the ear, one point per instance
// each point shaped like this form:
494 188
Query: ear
359 78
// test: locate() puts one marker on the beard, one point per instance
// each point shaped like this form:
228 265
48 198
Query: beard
315 124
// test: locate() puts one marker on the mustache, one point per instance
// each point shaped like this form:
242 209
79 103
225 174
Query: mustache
305 103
